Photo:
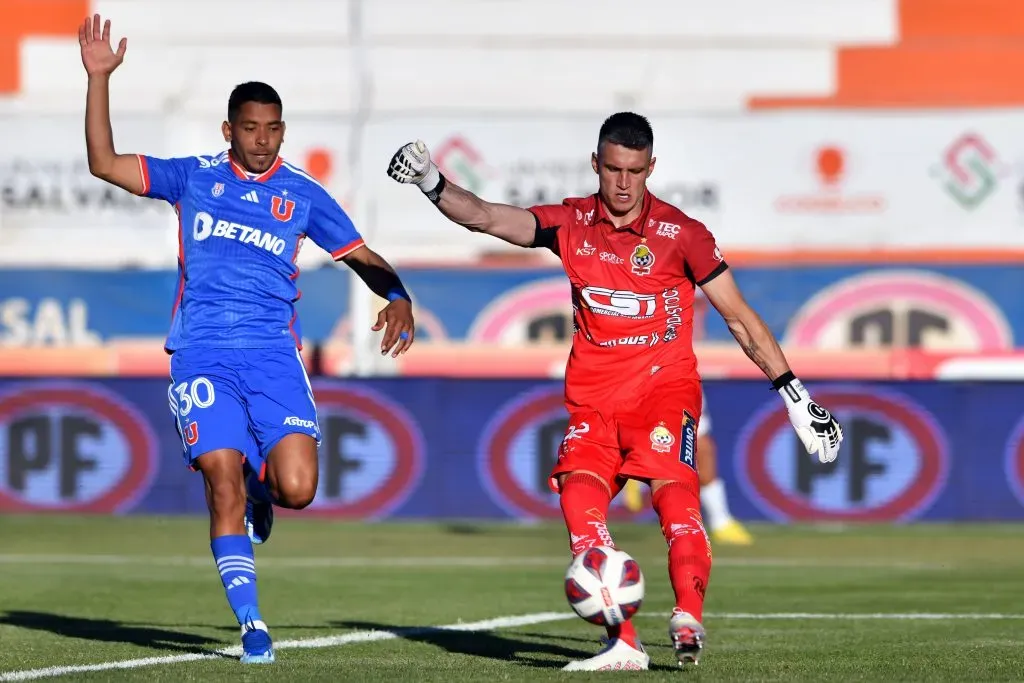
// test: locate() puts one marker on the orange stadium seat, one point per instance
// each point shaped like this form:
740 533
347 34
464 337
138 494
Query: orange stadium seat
950 53
35 18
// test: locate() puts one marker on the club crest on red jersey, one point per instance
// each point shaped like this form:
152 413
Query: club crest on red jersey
662 439
642 259
281 208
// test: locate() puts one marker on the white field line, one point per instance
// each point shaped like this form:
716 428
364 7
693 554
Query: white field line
485 625
328 641
438 561
856 616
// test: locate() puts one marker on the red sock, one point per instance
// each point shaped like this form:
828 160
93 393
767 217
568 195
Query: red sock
689 551
585 503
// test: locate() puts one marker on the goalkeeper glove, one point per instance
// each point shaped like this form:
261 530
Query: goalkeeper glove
412 164
818 430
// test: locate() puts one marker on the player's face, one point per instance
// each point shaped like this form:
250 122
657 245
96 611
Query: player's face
255 135
622 176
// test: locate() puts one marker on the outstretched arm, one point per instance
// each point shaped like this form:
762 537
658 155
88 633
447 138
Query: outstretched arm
100 61
412 164
817 429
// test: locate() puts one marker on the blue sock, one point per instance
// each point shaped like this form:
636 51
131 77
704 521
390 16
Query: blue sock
257 489
237 568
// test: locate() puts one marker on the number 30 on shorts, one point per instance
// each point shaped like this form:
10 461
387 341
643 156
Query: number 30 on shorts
188 395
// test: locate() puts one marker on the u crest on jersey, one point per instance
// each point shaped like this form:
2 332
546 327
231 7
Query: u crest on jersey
281 208
191 434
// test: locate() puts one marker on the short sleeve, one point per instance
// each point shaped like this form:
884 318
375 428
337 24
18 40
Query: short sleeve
704 260
166 178
330 227
550 218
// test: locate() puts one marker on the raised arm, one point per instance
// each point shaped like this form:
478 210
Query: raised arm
412 165
100 61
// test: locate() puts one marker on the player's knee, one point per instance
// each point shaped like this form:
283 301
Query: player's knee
295 492
675 500
567 482
667 490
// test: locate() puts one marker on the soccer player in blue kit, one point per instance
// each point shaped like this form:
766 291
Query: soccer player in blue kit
239 391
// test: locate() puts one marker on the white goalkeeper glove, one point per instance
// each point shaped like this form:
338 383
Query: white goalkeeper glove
819 431
412 164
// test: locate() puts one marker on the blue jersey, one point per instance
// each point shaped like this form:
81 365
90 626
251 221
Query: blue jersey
239 236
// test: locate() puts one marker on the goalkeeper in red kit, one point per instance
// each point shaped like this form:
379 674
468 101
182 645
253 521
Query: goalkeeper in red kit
631 385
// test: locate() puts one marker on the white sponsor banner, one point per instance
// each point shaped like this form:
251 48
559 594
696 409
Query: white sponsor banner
760 181
874 181
53 212
774 181
523 161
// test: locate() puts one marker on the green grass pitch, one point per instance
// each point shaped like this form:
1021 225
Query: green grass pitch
802 604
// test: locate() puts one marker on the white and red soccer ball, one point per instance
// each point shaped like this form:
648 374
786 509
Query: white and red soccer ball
604 586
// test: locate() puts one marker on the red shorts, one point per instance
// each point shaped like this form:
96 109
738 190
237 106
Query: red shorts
655 439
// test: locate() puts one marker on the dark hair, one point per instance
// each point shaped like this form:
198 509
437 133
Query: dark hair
253 91
627 129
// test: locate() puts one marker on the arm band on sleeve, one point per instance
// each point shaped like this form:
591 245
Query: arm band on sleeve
543 238
721 268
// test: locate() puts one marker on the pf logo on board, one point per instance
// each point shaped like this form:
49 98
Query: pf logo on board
892 464
371 453
72 447
1014 461
520 447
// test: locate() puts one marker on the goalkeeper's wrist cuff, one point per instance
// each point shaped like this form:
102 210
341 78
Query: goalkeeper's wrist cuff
790 388
432 184
782 380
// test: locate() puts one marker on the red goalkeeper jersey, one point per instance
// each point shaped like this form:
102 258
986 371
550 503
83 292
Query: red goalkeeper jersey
632 294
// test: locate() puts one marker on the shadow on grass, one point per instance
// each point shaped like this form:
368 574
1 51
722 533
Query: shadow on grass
528 649
478 644
109 631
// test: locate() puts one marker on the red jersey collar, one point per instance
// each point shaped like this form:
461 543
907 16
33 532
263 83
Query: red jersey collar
638 226
245 175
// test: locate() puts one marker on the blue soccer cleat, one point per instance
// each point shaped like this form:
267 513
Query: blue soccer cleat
257 647
259 518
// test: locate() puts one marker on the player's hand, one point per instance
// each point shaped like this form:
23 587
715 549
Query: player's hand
399 328
412 164
98 57
817 429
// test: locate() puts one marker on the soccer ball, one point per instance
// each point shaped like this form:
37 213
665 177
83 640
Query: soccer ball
604 586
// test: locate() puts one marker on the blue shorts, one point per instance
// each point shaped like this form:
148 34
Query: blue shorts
244 399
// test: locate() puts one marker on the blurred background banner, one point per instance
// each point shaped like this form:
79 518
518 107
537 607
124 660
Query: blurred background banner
836 184
834 181
860 319
482 449
861 163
